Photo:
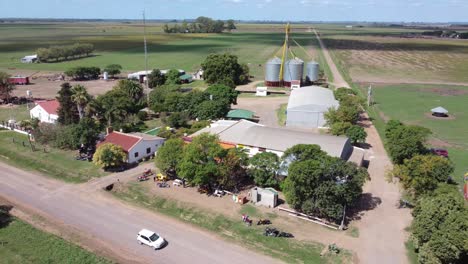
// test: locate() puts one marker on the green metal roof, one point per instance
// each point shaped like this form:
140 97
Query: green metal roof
153 132
240 114
186 77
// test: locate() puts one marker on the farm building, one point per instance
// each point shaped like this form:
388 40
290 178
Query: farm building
267 197
29 59
307 106
45 111
141 75
255 138
138 146
198 75
19 80
240 114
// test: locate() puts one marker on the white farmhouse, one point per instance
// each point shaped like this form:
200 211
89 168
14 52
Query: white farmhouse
29 59
45 111
138 146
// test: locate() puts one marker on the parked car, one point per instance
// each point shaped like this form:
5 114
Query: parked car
150 238
178 182
440 152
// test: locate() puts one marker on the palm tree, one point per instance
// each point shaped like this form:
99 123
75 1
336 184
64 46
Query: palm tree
81 98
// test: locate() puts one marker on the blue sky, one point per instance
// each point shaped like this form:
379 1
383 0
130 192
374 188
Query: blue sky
288 10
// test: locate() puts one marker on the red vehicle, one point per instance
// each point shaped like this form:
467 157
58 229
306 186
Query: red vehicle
440 152
19 80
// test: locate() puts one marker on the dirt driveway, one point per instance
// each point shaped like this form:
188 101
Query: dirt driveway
263 107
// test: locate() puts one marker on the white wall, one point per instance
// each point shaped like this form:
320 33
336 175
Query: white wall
39 113
141 147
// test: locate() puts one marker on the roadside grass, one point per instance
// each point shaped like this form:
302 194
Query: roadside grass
281 114
22 243
56 163
411 252
412 103
250 210
288 250
353 232
17 112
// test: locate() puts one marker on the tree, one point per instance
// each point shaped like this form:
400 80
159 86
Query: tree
83 73
222 92
109 155
212 109
67 111
263 167
407 141
230 25
221 67
422 173
81 98
132 89
232 170
391 126
156 78
169 155
440 226
340 128
324 187
200 163
177 119
5 87
113 106
302 152
356 134
343 92
113 69
173 77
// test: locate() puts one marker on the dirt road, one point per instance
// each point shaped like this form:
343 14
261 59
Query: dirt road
338 80
381 229
116 224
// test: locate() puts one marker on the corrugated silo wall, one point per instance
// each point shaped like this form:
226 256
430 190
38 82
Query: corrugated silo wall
293 70
313 70
272 72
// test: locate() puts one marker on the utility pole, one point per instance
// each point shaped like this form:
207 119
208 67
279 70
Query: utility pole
146 56
343 220
369 96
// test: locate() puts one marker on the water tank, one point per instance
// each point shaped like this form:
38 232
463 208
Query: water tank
293 70
105 76
313 69
272 72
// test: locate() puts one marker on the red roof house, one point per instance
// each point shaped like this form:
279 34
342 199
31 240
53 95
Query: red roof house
45 111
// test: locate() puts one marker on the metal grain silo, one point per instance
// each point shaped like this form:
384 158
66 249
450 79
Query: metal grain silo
272 72
312 74
293 70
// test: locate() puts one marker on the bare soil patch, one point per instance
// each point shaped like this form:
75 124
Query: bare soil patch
439 143
445 91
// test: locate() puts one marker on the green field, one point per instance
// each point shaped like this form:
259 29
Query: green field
123 44
288 250
412 104
22 244
51 162
17 112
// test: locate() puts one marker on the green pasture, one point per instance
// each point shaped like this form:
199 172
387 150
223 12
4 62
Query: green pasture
412 104
22 243
123 44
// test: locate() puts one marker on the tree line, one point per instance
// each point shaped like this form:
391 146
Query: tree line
66 52
440 226
315 184
201 25
343 120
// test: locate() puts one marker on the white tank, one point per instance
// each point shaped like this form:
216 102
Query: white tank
105 76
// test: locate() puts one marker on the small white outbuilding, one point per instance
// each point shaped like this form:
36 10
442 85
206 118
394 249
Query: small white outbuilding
267 197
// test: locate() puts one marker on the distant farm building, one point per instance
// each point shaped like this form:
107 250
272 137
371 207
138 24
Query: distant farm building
45 111
141 75
198 75
19 80
255 138
137 146
29 59
307 106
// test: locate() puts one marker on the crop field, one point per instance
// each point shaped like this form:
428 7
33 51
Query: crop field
412 104
123 44
380 55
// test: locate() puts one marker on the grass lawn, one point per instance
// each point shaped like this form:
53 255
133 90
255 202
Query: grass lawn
412 103
53 162
289 250
281 114
22 243
17 112
412 255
